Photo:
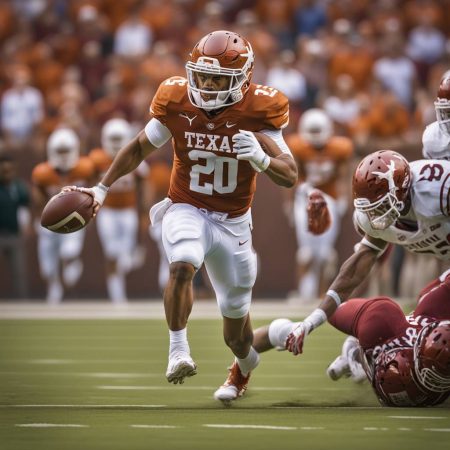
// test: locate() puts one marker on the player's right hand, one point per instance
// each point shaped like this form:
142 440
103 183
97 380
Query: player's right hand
98 193
296 338
319 219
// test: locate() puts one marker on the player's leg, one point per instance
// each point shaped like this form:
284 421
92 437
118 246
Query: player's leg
69 252
155 232
434 299
109 232
48 256
185 236
232 267
369 322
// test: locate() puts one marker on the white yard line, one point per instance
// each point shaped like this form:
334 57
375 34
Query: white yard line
254 427
443 430
51 425
82 406
417 417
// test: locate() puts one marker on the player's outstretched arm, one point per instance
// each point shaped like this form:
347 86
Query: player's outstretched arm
352 273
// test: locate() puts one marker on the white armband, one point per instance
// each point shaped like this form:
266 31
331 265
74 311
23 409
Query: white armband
315 319
369 244
335 296
157 133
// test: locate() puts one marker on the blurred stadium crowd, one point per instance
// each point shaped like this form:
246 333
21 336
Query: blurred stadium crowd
372 65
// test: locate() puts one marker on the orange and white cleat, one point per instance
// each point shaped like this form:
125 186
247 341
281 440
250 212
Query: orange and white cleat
234 387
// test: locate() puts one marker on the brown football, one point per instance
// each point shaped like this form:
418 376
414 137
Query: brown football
67 212
268 144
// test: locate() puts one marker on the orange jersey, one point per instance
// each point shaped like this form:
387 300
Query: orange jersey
206 173
51 180
122 194
320 167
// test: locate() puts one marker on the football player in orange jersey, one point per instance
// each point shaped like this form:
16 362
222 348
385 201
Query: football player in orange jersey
60 253
118 221
323 162
211 117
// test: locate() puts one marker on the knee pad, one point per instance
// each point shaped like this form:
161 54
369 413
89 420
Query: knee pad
279 330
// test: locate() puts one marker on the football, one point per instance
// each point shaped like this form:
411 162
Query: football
267 144
67 212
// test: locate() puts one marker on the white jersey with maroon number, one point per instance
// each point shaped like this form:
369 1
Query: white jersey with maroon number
436 144
426 227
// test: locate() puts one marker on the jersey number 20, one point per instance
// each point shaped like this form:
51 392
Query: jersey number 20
214 165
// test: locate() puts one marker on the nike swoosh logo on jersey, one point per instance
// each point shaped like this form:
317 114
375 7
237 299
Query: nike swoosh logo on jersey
230 125
242 242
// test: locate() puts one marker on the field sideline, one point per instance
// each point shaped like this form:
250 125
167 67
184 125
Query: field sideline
99 383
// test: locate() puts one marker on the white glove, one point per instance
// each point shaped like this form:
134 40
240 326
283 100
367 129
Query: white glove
98 192
248 149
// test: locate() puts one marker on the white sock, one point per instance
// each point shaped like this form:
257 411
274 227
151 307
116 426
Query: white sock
178 341
309 285
72 272
279 330
54 291
248 363
115 284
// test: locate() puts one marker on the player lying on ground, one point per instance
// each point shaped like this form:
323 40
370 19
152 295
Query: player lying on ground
211 117
405 358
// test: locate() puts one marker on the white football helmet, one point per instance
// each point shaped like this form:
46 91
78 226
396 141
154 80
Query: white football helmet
315 127
63 149
116 133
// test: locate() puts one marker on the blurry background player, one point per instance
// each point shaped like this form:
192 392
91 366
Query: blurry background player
14 223
60 252
118 220
324 162
405 358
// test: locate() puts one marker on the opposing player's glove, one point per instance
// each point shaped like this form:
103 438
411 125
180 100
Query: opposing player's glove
295 339
248 149
319 219
98 192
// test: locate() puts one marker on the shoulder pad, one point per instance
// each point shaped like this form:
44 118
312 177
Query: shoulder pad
171 90
273 103
341 146
41 173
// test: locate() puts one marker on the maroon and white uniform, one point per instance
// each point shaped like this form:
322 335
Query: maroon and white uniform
382 330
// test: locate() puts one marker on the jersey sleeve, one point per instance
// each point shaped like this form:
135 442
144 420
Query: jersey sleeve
343 148
41 174
85 168
97 156
277 108
169 90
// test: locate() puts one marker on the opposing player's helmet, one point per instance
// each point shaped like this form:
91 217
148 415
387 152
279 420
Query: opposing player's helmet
315 127
381 184
394 382
432 356
116 133
63 149
442 104
220 53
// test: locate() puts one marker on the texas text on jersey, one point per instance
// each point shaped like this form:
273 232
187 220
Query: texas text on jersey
206 172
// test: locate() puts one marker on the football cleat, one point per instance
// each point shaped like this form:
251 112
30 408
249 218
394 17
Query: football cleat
180 366
235 385
346 365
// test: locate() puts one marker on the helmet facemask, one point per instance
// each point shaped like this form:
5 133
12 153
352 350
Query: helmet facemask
431 357
385 211
442 107
209 99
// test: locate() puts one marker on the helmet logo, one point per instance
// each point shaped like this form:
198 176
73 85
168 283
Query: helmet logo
389 176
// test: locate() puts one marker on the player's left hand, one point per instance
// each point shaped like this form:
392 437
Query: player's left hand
248 149
296 338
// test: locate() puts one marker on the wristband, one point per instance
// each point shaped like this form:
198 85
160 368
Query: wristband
315 319
335 296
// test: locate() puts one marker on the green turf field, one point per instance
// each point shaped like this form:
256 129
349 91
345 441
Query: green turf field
99 384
